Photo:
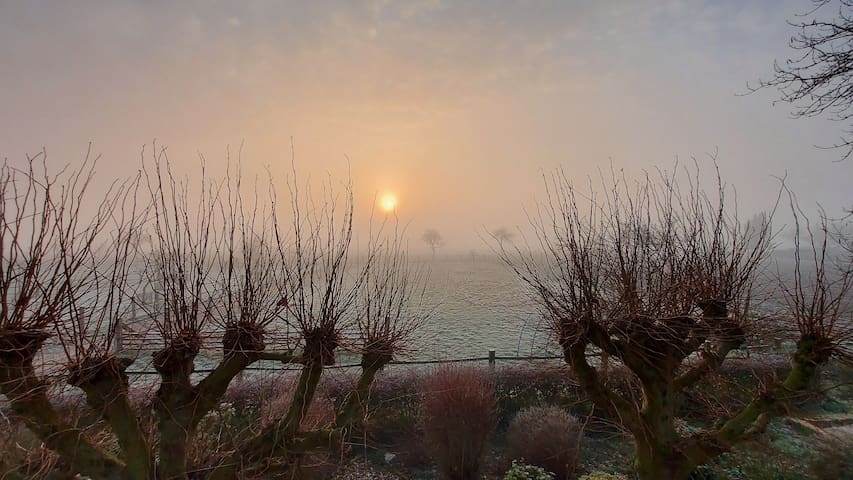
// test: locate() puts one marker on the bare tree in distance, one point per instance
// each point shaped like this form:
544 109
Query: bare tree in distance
502 235
818 80
433 239
664 280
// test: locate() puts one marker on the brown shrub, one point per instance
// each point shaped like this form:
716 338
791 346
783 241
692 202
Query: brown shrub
520 385
546 437
458 417
832 457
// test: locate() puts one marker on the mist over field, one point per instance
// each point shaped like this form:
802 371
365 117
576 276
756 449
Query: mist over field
426 239
457 109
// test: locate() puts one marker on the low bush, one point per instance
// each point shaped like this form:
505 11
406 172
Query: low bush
458 417
395 413
521 471
547 437
519 386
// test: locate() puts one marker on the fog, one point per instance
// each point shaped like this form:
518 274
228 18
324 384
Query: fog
456 109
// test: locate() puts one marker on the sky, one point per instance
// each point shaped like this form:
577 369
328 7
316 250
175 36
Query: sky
458 108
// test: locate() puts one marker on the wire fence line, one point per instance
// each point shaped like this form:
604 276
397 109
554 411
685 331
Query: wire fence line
491 358
145 340
132 338
283 367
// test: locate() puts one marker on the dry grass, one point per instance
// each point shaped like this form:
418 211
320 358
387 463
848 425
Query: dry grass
832 458
459 414
24 456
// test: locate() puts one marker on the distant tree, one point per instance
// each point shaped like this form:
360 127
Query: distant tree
663 278
503 235
819 79
433 239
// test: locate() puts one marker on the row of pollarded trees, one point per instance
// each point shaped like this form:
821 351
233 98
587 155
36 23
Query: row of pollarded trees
662 278
218 264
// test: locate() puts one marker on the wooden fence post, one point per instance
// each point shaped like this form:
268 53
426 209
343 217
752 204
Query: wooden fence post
117 336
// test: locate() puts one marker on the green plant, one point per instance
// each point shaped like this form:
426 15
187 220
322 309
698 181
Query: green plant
602 476
521 471
547 437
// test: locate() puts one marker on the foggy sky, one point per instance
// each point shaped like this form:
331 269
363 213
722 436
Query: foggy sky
456 107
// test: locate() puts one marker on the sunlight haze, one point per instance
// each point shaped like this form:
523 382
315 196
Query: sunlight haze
456 108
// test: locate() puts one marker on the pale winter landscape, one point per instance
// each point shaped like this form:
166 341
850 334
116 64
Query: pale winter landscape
426 240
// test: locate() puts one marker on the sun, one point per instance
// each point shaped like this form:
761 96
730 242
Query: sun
388 202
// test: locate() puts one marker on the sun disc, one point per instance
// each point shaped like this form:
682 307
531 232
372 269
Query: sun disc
388 202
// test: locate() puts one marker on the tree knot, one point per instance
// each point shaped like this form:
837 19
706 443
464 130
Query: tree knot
20 346
106 370
243 339
178 355
377 354
320 345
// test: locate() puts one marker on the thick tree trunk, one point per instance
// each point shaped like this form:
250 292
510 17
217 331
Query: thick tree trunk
679 460
658 445
284 439
652 463
27 395
357 399
174 403
137 452
302 398
181 406
106 386
173 449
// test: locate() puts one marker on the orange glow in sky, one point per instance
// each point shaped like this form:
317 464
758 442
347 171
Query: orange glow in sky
456 109
388 202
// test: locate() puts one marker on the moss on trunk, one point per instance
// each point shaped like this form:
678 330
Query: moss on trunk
174 404
27 395
661 452
106 386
